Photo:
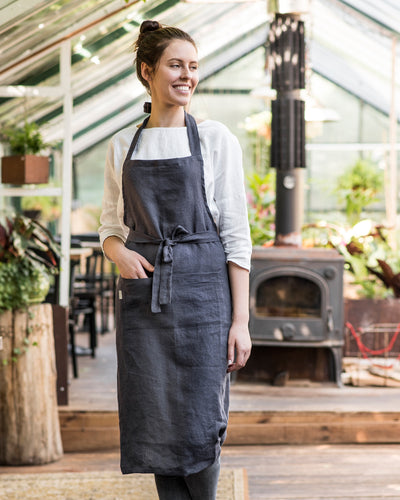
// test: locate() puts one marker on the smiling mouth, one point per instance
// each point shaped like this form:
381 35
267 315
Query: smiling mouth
183 88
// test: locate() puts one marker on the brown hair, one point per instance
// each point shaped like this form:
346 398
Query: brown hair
153 39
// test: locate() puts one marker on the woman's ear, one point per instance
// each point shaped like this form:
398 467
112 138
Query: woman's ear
146 71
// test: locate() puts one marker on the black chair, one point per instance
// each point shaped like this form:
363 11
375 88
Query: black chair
100 275
82 303
82 310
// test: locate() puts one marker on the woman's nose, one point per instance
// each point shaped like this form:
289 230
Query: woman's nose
185 72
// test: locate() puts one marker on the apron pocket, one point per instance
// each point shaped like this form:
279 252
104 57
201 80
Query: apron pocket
134 296
202 321
201 299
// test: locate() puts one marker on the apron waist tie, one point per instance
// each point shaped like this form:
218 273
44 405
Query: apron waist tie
162 275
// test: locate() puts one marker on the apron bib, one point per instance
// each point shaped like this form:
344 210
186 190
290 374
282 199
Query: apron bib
172 327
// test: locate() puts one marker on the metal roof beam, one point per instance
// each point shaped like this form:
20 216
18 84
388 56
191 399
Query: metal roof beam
16 11
30 91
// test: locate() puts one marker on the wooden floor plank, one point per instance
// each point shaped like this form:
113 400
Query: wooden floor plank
84 431
96 389
319 472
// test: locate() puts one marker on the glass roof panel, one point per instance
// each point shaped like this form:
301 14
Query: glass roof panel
47 24
349 43
384 12
247 74
351 52
101 58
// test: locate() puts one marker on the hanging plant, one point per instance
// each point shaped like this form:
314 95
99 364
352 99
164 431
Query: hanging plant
24 165
25 140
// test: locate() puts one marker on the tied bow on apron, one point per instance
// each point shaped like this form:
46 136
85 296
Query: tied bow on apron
163 266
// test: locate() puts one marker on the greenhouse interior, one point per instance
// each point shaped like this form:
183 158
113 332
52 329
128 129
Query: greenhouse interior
67 74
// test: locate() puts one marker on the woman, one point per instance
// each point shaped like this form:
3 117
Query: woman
174 221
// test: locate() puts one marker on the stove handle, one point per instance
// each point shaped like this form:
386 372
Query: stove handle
329 320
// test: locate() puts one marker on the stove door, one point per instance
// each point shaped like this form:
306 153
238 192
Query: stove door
289 304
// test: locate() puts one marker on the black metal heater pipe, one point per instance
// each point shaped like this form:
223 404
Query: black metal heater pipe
287 64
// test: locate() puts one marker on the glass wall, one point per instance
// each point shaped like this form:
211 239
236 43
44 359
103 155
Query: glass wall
224 97
360 131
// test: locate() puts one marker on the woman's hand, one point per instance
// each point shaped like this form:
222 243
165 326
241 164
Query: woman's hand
131 264
239 346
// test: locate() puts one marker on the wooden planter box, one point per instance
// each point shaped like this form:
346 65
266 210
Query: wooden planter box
28 169
29 422
375 321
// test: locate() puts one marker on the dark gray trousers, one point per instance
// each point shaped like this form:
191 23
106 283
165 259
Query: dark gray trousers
199 486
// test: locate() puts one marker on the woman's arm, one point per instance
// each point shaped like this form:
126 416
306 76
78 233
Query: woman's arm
110 222
239 342
230 198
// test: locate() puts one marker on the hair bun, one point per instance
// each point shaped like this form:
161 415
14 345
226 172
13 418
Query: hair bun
149 26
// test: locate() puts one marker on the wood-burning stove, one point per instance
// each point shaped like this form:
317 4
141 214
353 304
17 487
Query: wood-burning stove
296 294
296 300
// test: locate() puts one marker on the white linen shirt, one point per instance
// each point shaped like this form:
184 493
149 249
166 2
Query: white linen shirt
223 179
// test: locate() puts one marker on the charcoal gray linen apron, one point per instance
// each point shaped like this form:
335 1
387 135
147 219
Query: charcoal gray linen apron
172 327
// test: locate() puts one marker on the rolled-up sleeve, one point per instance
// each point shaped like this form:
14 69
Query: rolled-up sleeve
111 223
230 199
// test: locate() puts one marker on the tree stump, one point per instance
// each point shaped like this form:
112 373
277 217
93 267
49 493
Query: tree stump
29 422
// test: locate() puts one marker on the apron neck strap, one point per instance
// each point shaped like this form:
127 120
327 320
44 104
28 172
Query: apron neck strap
136 138
193 135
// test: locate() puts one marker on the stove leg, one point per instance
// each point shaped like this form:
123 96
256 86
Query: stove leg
337 364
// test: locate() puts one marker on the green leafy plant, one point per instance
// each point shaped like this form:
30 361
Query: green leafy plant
258 132
369 257
24 140
260 183
48 206
29 258
358 187
261 207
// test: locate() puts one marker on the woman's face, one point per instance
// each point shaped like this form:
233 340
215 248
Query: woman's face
176 76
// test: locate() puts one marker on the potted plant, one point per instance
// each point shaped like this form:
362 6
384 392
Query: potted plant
29 423
372 276
24 164
28 261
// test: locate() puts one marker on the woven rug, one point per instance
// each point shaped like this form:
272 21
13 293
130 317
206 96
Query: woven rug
104 486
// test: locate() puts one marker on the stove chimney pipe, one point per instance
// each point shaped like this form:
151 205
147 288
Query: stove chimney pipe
287 65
